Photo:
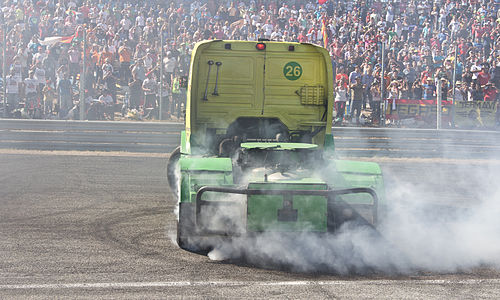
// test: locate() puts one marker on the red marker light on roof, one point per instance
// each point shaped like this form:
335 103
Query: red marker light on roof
260 46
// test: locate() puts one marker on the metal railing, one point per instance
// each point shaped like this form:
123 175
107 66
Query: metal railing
163 137
152 137
423 143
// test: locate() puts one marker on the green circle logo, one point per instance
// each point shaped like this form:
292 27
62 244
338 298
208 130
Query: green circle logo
292 71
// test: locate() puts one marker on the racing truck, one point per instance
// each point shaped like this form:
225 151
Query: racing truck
257 153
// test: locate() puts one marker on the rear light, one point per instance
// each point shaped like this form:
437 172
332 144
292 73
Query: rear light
260 46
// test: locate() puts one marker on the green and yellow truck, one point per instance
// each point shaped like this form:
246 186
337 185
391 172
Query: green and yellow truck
257 153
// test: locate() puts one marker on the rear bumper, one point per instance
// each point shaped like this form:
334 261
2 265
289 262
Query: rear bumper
336 206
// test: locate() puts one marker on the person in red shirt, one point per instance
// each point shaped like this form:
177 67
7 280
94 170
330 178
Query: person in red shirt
85 10
342 77
483 77
302 37
426 74
490 92
478 31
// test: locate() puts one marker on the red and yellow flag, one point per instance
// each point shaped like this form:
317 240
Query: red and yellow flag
324 32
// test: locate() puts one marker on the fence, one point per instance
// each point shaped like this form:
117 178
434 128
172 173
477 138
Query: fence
162 137
89 135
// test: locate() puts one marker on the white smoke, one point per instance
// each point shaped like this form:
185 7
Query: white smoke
419 233
447 237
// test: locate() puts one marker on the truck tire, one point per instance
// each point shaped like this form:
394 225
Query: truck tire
187 237
171 169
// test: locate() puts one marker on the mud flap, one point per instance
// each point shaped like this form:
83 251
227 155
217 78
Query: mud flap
340 213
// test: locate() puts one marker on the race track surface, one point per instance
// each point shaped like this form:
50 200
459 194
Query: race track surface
76 225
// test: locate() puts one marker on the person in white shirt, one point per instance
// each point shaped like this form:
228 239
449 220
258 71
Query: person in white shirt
74 62
150 87
22 55
40 76
268 29
340 101
39 56
148 61
126 23
17 69
12 89
459 96
140 21
170 63
30 86
107 100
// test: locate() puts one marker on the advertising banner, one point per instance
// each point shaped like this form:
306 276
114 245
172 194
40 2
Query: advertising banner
468 114
474 114
421 110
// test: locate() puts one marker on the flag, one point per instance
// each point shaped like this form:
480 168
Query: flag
67 39
324 32
52 40
321 2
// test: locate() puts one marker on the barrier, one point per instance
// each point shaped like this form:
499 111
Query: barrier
412 143
162 137
422 113
89 135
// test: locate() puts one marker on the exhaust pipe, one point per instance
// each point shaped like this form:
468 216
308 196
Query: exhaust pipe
210 63
218 64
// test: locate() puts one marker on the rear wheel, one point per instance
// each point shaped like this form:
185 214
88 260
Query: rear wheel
173 161
187 237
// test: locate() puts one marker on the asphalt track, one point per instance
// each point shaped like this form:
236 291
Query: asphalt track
101 225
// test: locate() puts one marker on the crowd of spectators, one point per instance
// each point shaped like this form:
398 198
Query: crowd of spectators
420 39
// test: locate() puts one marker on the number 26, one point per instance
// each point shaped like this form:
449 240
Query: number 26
293 71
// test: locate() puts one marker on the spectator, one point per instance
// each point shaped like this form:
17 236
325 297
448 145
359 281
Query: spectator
125 56
367 81
107 101
458 93
375 103
12 89
74 62
340 101
150 88
65 92
417 90
429 90
419 37
356 98
136 93
30 90
490 92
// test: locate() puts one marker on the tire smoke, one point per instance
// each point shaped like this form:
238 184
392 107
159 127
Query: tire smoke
418 233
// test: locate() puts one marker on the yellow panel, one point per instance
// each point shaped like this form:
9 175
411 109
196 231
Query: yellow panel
254 83
284 87
239 86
